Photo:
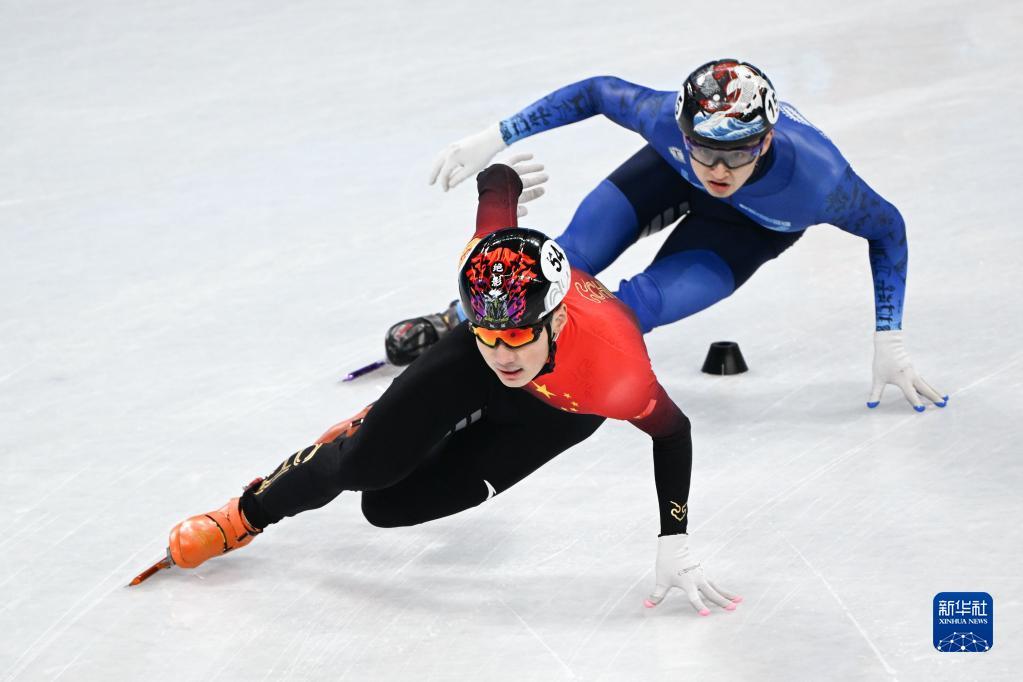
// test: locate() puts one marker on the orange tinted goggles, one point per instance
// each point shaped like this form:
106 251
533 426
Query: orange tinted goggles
513 338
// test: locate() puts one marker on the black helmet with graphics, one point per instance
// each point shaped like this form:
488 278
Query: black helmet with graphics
726 104
512 278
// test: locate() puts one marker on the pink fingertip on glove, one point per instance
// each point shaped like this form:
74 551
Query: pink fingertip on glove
648 604
736 600
730 607
704 612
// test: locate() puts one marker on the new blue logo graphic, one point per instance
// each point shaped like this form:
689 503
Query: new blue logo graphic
963 621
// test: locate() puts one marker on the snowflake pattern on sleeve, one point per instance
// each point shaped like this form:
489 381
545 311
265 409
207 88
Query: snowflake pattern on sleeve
856 208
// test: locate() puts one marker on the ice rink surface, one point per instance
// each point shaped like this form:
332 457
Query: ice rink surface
210 211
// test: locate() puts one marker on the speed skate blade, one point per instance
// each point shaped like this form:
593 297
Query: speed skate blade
158 566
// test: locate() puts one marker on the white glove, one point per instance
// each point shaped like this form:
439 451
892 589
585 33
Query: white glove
892 366
532 177
467 157
675 568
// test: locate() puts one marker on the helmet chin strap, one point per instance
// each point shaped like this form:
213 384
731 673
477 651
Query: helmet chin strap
552 348
762 164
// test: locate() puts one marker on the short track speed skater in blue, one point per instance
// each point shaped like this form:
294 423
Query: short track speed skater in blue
740 174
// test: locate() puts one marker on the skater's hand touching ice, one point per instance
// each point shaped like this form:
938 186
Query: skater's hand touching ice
467 157
892 366
676 568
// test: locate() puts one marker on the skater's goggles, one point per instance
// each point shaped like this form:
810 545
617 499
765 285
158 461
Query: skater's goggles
516 337
732 158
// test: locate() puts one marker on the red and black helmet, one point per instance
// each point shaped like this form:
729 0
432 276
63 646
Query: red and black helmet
726 104
513 278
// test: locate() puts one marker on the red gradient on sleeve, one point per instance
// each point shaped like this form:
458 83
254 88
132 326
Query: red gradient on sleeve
499 188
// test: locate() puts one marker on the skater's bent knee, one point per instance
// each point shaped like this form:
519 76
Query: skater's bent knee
381 511
677 286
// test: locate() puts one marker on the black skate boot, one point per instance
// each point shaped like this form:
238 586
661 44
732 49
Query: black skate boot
408 339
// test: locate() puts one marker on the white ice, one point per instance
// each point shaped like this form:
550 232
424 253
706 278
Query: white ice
209 211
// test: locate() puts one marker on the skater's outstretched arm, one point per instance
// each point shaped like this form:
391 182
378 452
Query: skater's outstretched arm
856 208
629 105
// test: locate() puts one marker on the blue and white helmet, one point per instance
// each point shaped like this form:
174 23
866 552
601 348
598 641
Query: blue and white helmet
726 104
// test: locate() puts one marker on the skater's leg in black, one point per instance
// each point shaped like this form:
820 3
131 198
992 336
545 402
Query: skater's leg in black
446 385
517 436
